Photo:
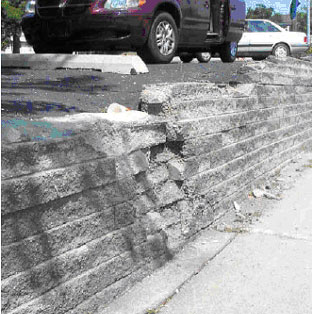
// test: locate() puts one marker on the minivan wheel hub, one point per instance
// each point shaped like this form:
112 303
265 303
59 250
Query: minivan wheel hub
165 38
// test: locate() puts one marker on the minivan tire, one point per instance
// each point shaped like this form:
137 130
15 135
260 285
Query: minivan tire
186 57
156 53
228 52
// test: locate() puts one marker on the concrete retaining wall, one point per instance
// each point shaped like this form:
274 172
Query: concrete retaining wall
89 206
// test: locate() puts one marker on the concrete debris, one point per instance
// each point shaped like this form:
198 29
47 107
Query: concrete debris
120 113
272 196
237 207
243 217
258 193
116 108
176 170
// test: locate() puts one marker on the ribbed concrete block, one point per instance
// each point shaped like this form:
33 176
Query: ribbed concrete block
105 63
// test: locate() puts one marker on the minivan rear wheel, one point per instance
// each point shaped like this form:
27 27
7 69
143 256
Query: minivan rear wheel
162 41
228 52
186 57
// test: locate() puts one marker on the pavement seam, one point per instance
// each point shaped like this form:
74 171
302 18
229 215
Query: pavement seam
179 287
268 232
283 235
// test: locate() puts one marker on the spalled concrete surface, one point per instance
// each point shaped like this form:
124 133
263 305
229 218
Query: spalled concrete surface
93 199
266 271
105 63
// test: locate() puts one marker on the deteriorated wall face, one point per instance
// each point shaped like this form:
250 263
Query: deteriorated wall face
87 215
75 215
230 136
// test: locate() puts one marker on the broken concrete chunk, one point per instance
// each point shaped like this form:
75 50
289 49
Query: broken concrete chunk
138 162
176 170
116 108
258 193
272 196
237 207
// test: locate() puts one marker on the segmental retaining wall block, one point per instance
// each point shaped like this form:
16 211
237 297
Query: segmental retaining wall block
90 208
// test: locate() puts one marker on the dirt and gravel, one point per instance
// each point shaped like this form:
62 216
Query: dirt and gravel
34 93
250 206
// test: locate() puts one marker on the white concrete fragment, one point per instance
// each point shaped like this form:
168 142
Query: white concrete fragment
116 108
257 193
106 63
271 196
236 206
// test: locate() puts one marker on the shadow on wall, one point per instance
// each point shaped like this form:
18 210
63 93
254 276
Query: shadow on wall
74 229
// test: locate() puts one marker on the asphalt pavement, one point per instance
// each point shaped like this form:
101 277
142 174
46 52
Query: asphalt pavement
34 93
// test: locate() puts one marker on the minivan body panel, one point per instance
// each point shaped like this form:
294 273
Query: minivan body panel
90 27
237 20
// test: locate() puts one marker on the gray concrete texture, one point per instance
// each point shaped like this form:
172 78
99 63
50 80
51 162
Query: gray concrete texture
136 192
265 269
123 64
268 270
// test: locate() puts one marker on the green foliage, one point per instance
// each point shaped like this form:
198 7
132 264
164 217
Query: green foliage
14 10
276 18
260 12
11 14
301 20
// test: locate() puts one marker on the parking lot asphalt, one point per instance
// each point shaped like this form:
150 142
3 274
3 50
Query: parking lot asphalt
35 93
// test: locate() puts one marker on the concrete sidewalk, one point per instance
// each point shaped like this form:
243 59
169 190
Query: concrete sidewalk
265 271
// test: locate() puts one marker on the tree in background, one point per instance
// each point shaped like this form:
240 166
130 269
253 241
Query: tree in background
301 19
11 14
277 18
260 12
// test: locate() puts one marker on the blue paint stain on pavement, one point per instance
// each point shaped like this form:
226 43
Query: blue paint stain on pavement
52 131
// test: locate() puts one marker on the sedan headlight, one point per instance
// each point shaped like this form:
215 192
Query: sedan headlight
123 4
30 6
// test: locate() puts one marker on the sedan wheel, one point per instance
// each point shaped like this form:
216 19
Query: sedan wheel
281 51
162 42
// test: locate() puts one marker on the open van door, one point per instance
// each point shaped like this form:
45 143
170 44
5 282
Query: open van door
237 20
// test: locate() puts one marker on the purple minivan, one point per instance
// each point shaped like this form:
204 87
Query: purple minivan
156 29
